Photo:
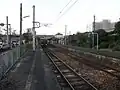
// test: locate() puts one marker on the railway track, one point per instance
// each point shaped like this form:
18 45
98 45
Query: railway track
70 78
110 70
105 68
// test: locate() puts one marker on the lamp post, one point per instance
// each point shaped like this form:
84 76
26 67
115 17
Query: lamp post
8 35
21 19
33 28
2 24
7 29
20 27
65 34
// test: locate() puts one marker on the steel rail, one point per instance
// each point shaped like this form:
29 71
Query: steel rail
49 53
101 67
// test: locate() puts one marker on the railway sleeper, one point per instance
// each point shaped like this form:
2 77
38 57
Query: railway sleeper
76 83
63 84
83 87
56 60
61 80
115 72
75 79
71 77
58 63
55 71
66 71
62 67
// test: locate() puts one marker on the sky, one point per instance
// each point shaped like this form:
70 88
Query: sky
78 18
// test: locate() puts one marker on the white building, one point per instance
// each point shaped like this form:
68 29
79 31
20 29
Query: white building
107 25
60 38
59 35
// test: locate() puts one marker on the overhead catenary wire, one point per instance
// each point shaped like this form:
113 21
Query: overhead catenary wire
65 7
63 10
67 10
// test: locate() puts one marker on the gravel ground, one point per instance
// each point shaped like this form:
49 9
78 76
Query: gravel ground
99 78
106 60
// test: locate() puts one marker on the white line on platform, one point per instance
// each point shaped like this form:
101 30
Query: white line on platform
17 66
29 80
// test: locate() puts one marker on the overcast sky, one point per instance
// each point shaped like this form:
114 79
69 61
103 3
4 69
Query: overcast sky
47 11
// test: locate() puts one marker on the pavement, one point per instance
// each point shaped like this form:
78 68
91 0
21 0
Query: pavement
33 72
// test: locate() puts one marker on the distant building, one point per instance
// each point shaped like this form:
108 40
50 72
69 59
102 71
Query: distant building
45 36
107 25
12 38
59 36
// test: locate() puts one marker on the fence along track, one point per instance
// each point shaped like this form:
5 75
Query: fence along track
72 78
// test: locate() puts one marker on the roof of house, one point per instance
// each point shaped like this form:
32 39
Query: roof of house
59 34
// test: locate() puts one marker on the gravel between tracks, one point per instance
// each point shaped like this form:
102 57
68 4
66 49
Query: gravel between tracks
99 78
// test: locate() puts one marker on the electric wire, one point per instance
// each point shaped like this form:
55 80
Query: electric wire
67 10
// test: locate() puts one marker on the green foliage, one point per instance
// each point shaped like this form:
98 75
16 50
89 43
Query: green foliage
27 37
81 39
116 48
110 33
109 40
28 46
104 45
117 28
73 42
112 45
101 32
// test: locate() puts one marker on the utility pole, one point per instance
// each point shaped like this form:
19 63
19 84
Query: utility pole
69 38
0 31
69 32
65 33
93 31
97 41
33 28
7 29
10 35
10 29
20 27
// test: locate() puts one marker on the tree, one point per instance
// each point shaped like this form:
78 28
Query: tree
117 28
27 36
82 39
102 36
59 33
101 32
14 32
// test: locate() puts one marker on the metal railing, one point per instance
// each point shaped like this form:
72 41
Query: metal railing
9 58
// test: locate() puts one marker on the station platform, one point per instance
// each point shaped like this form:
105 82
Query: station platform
33 72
